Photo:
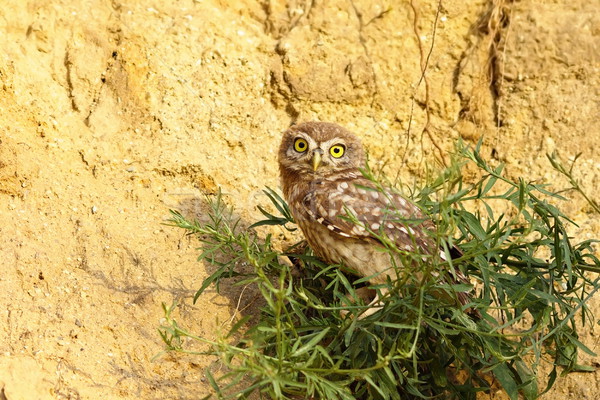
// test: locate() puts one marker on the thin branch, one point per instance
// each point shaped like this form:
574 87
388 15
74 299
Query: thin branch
424 64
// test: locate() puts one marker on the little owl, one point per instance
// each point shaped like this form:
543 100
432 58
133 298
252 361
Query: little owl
344 216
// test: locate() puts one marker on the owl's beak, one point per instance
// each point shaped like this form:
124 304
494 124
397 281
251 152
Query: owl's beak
316 159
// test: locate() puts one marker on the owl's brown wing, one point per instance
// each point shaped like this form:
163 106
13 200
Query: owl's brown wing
356 208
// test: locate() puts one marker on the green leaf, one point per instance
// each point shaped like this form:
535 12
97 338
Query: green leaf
311 343
491 181
235 328
529 386
507 380
208 281
211 380
551 379
474 226
394 325
383 394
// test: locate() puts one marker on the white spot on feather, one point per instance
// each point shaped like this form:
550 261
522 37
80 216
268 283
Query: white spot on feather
357 230
321 209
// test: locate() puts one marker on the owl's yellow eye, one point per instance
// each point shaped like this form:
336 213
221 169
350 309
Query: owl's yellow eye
337 150
300 145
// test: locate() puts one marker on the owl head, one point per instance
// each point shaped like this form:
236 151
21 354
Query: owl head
319 149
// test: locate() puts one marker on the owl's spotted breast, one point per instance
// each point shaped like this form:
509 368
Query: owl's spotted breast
358 256
343 221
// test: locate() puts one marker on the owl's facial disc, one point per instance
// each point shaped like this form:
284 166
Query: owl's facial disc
318 150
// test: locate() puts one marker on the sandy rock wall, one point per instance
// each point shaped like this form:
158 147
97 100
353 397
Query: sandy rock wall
112 112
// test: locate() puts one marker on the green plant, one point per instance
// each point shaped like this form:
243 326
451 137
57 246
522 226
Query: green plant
532 282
